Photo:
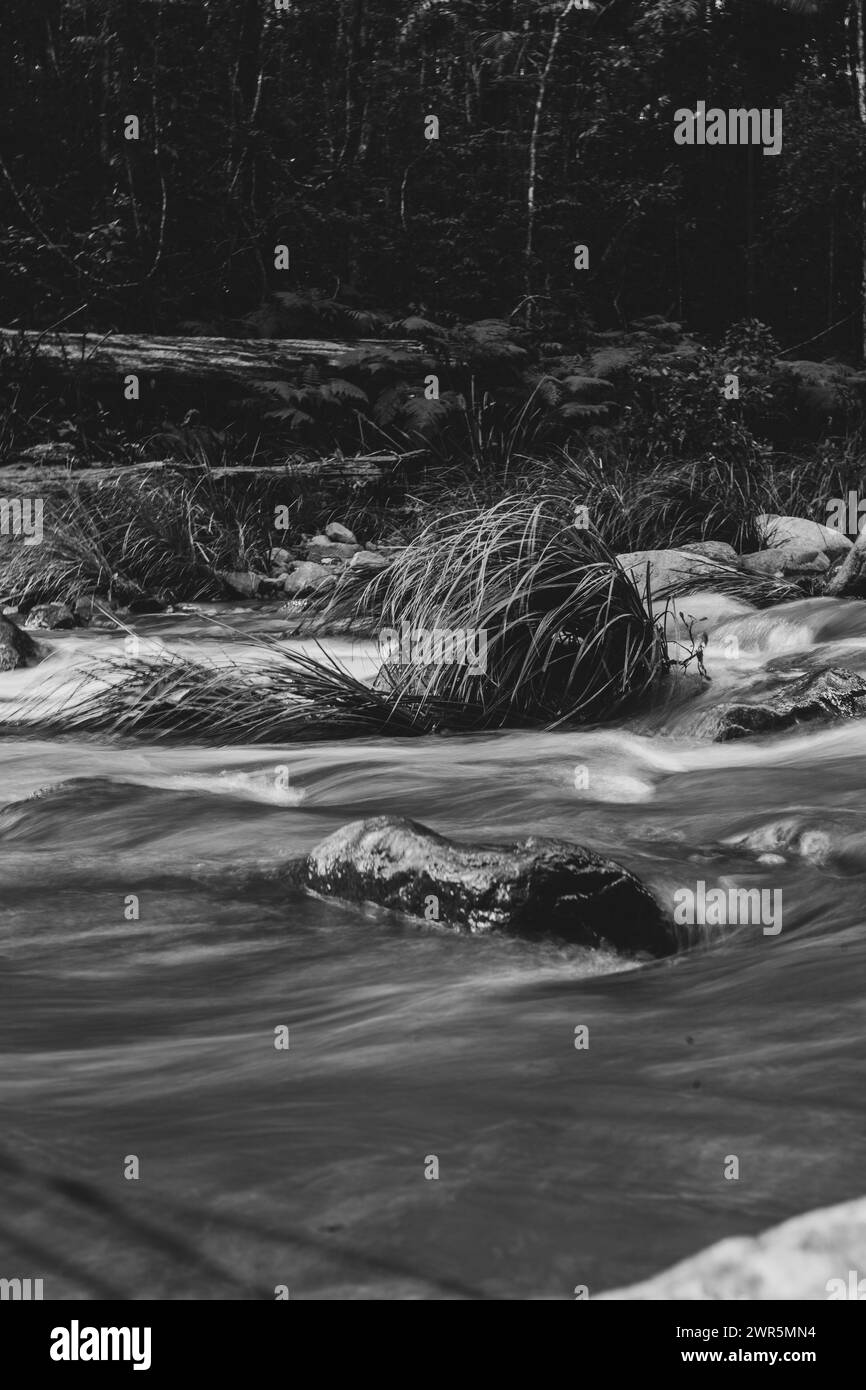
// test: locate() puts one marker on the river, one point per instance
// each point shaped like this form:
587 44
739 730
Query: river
148 1031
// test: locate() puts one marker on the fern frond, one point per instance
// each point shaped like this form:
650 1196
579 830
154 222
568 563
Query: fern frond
341 390
582 410
416 327
389 404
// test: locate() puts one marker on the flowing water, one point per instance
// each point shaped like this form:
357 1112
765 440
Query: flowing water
154 1036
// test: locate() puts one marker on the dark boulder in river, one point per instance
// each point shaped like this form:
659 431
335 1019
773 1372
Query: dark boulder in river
832 694
16 648
534 887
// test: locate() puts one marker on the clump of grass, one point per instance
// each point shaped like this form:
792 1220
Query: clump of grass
21 415
635 507
634 504
763 591
165 537
567 637
803 483
567 641
671 505
487 438
292 696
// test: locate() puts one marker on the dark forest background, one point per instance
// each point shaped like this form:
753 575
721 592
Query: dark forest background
433 328
304 125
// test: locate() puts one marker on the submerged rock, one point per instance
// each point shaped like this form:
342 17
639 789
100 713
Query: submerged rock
531 888
835 693
16 648
833 843
808 1258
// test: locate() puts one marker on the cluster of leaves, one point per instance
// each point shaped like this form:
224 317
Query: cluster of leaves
408 386
448 386
722 403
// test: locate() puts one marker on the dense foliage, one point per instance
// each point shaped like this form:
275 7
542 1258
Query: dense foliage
304 125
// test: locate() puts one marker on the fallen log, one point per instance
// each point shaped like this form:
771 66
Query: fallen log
209 360
19 479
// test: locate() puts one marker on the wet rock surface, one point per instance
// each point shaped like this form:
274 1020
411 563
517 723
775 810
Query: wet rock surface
808 1258
849 580
535 887
17 649
831 694
51 616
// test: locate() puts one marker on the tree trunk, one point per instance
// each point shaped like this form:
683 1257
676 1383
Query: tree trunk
25 479
232 360
831 266
248 84
533 147
859 8
750 230
354 42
